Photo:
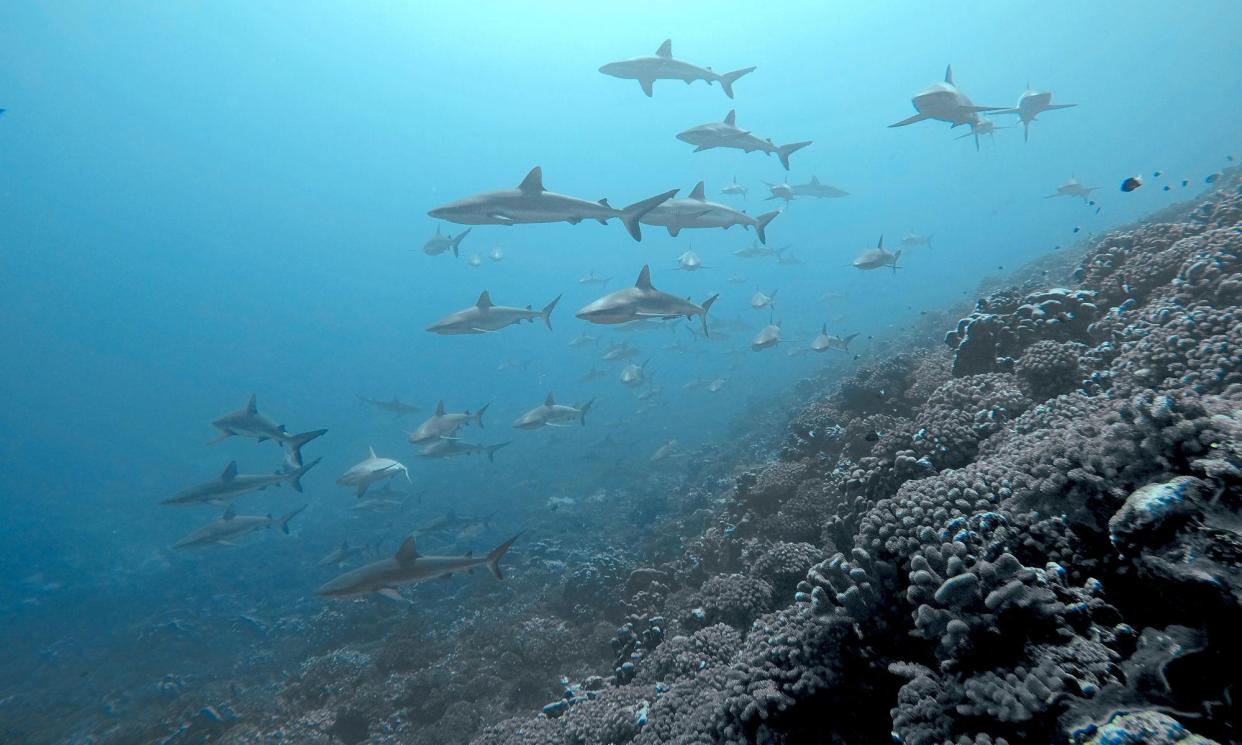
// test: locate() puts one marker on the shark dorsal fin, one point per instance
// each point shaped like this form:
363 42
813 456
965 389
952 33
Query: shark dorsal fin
815 180
824 329
948 75
533 183
880 245
440 408
229 514
549 401
644 279
252 406
666 49
407 552
371 451
230 471
731 118
604 202
697 192
485 300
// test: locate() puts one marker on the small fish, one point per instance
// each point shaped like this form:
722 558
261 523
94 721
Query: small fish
1077 228
1130 184
1157 174
1211 179
1091 203
1166 187
1097 210
1185 182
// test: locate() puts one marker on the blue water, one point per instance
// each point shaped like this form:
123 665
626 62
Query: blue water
202 201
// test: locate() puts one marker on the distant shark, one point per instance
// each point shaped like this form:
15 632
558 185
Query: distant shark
409 567
826 341
341 554
647 70
445 424
370 470
451 448
735 188
696 212
591 278
726 134
231 526
769 336
439 243
943 102
813 189
1073 188
1031 104
754 251
248 422
634 375
484 318
552 414
643 301
232 484
877 258
396 405
761 300
529 203
689 262
450 522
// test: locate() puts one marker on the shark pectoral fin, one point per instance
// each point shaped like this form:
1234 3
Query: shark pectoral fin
701 148
391 593
910 120
573 220
646 84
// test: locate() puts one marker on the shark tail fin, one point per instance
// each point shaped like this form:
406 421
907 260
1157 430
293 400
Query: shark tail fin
729 78
493 558
784 151
908 121
896 256
707 305
1026 131
457 240
491 450
293 446
585 408
761 224
283 522
478 415
295 478
846 341
547 312
632 214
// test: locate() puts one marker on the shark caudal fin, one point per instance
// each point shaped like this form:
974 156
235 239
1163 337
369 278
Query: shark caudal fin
706 306
583 411
845 342
457 241
784 151
293 446
729 78
493 558
632 214
478 416
283 520
547 312
896 256
761 224
491 450
911 120
295 478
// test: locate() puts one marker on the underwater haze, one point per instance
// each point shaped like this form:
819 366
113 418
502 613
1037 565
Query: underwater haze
215 235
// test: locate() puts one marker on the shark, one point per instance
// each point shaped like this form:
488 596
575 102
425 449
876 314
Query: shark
644 301
248 422
813 189
1031 104
663 66
761 301
475 260
484 318
981 125
409 567
619 352
341 554
529 202
398 407
944 102
439 243
726 134
496 254
592 374
445 424
695 211
231 485
552 414
914 240
582 340
689 262
370 470
754 251
769 336
735 188
507 365
450 448
634 375
231 526
450 522
877 258
591 278
1073 188
788 259
826 341
670 449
